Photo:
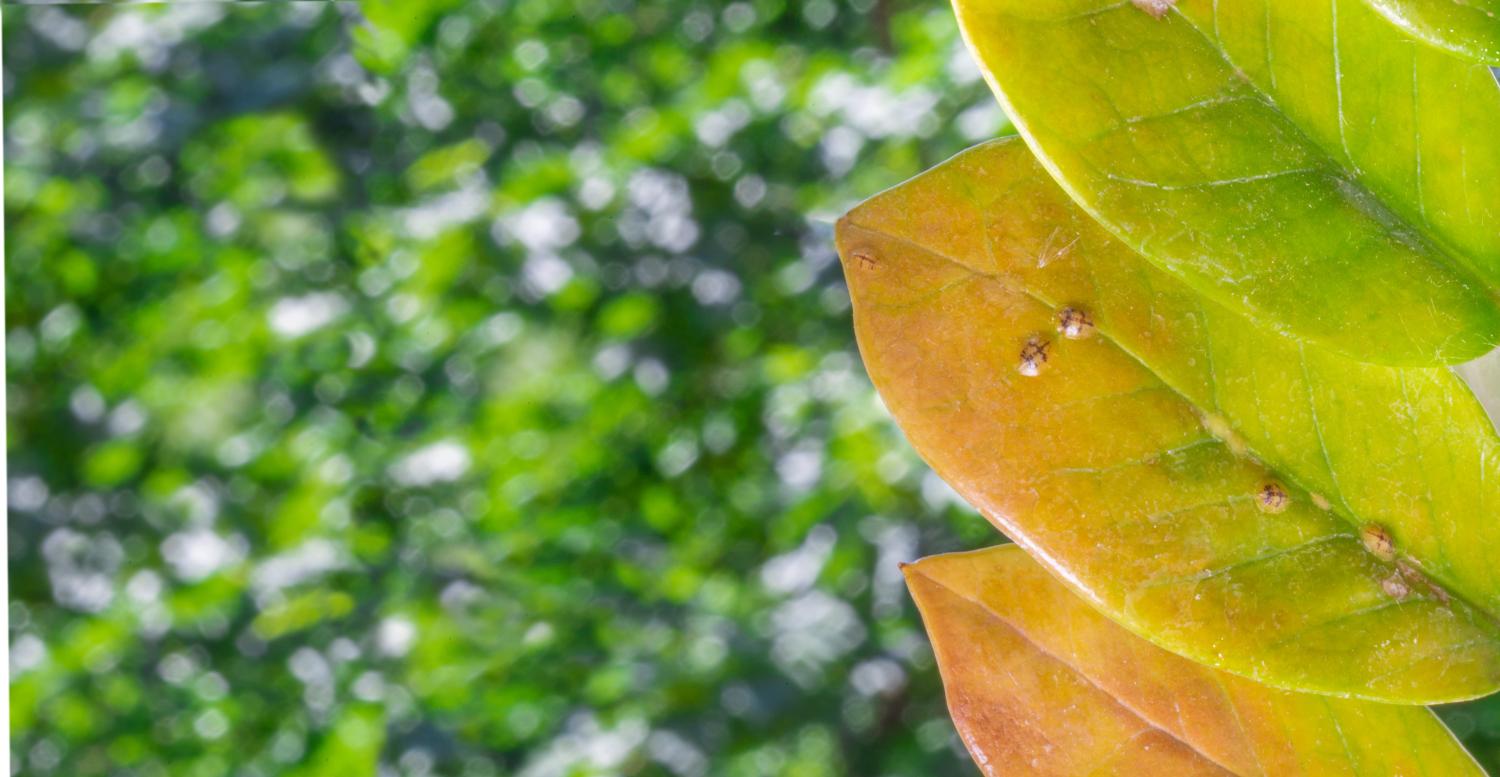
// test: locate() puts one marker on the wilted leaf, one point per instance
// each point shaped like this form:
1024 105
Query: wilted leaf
1039 683
1303 163
1205 482
1467 28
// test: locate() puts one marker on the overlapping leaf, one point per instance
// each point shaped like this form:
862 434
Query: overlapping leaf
1147 464
1039 683
1466 28
1304 163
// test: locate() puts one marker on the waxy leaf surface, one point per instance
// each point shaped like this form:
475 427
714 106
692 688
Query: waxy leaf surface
1303 163
1207 483
1464 28
1040 683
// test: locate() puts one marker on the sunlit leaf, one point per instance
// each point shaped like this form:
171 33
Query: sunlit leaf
1040 683
1304 163
1467 28
1207 483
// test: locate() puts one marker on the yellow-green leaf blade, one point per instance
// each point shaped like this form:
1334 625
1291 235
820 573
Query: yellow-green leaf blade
1465 28
1292 186
1038 682
1125 462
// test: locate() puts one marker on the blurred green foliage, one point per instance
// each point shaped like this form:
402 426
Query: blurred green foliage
470 394
467 388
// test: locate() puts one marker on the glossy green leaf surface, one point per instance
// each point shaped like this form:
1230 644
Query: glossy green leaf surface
1465 28
1136 462
1305 164
1039 683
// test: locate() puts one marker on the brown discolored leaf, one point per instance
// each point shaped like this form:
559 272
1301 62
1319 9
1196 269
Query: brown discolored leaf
1206 483
1040 683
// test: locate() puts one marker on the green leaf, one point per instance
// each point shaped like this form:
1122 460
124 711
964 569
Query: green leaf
1036 678
1303 163
1206 483
1466 28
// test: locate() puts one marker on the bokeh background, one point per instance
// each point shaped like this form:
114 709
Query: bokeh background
468 388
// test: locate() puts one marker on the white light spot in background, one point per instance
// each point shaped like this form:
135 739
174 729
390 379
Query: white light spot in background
433 217
26 652
500 328
308 561
587 748
715 128
796 571
395 636
677 754
716 287
543 226
897 544
840 148
81 568
810 632
293 317
660 212
87 404
652 376
611 360
749 190
800 469
677 456
874 111
938 494
877 677
981 122
439 462
28 493
127 419
195 554
546 274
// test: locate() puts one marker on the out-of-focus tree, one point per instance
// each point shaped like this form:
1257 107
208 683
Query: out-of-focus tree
464 388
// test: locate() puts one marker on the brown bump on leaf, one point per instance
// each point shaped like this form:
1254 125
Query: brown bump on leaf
866 260
1034 356
1075 323
1378 540
1272 497
1395 587
1157 8
1321 502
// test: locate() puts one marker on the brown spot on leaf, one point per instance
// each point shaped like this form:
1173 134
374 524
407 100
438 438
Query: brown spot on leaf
1272 498
866 260
1075 323
1378 540
1034 356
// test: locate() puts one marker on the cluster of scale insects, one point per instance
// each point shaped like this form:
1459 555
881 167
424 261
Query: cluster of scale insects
1076 323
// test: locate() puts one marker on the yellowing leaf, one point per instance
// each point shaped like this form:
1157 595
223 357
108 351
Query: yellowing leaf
1039 683
1212 486
1303 163
1466 28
